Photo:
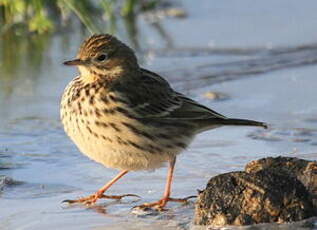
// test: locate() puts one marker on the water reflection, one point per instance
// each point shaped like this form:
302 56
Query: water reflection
20 58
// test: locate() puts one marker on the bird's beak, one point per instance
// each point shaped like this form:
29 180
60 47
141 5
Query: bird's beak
74 62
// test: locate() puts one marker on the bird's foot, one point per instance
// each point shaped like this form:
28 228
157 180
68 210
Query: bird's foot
90 200
160 204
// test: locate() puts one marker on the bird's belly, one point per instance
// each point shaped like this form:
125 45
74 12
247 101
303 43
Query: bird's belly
115 146
118 156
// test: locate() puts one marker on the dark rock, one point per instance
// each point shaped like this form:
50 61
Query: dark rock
305 171
260 195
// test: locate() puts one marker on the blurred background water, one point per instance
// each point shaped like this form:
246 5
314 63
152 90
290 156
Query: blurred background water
247 59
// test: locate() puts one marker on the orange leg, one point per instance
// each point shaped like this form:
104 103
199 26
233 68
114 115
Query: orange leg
160 204
89 200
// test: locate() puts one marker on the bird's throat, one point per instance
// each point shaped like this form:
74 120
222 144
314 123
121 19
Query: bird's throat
87 75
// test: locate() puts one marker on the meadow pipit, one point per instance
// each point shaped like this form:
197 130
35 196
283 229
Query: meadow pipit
129 118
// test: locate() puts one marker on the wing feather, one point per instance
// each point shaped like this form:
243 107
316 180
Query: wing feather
153 97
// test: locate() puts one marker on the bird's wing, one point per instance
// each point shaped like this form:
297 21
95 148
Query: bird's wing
153 97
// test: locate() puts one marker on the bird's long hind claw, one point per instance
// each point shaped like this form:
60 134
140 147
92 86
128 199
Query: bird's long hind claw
117 197
69 201
84 200
181 200
93 198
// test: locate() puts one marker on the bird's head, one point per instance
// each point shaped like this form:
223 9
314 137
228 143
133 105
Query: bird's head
104 56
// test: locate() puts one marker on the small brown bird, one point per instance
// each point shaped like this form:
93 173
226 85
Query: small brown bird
129 118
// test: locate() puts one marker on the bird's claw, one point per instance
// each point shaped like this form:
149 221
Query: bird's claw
160 204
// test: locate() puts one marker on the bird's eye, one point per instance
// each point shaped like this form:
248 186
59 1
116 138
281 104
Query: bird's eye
102 57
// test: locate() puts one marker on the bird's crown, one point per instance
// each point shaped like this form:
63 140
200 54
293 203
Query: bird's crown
103 55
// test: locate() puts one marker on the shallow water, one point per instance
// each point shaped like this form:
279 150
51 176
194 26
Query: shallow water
262 58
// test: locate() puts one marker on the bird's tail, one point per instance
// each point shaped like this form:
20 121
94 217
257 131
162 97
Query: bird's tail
242 122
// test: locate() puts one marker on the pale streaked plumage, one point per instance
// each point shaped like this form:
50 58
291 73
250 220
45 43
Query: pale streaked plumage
126 117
